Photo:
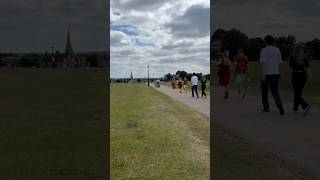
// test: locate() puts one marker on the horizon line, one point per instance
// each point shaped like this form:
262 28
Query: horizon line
43 52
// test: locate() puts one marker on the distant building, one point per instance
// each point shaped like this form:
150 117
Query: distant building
131 78
102 59
11 61
68 59
216 50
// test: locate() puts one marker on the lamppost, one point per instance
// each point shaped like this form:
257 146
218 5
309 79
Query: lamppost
148 76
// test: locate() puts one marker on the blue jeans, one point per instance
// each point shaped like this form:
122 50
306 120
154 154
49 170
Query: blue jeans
273 82
195 88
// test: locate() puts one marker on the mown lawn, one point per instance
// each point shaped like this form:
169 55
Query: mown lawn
53 124
153 137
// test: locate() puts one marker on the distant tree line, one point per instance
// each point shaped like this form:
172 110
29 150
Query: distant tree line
41 59
233 39
182 74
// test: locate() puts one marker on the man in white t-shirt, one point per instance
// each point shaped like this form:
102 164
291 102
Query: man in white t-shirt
194 81
270 59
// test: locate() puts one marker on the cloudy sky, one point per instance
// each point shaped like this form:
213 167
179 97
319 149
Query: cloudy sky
168 35
278 17
36 25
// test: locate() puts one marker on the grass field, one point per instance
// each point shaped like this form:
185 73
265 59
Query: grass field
153 137
311 91
53 124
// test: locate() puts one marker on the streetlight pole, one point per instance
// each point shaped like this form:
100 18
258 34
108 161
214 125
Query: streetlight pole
148 76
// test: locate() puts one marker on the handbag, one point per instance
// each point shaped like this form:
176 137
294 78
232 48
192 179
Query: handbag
220 71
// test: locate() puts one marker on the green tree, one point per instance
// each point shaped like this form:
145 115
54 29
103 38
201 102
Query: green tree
285 44
181 74
168 77
254 48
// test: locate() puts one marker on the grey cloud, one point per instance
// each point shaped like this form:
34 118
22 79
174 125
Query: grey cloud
138 5
194 23
194 59
184 51
118 38
177 45
278 17
309 8
35 26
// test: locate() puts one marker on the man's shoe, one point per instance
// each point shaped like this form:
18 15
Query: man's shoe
306 110
226 95
243 95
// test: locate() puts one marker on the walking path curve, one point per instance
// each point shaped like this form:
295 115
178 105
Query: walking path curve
292 137
200 105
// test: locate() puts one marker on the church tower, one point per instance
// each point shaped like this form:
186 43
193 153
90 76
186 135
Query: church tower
131 78
69 57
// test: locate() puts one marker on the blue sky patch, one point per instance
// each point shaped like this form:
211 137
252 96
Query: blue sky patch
141 43
129 30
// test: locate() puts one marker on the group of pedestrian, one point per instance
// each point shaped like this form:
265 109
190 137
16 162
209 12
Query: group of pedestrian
203 82
225 72
183 85
270 60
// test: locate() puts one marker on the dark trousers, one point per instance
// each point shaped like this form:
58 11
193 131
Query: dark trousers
203 90
298 82
195 88
273 82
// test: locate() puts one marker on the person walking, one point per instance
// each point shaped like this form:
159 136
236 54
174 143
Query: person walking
194 81
270 59
180 83
203 86
185 84
224 73
173 83
300 74
241 68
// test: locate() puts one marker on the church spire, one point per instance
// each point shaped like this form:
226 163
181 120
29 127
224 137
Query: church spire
69 58
69 49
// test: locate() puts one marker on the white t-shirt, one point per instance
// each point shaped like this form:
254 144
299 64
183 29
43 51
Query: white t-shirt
271 57
194 80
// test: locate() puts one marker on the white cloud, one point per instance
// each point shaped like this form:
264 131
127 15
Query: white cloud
168 35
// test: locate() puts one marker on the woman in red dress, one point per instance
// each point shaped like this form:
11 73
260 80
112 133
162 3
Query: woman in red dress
225 67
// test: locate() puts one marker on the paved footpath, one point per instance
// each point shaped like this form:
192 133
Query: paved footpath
201 105
292 137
